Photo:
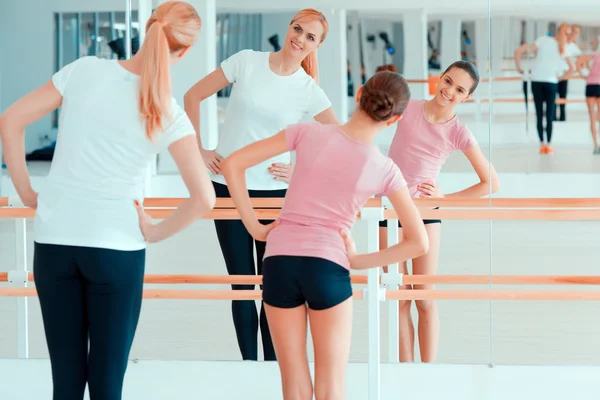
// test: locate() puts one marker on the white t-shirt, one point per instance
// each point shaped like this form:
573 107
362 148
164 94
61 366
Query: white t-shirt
548 62
571 51
526 67
261 104
101 158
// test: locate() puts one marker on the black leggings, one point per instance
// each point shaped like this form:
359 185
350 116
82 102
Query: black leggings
544 92
237 248
526 94
88 297
562 93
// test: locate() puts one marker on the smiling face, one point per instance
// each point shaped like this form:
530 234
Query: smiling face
303 37
454 87
575 32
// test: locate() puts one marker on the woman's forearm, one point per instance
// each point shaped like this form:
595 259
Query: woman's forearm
191 106
236 183
478 190
187 213
13 144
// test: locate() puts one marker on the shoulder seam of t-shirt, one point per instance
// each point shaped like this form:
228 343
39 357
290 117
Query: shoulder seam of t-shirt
73 65
465 132
245 55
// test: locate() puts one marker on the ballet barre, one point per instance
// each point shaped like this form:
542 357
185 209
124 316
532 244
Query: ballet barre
380 287
357 279
434 78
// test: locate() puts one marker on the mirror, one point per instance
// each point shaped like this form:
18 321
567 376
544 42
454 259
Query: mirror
535 99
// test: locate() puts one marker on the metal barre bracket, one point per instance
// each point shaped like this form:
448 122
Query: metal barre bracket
15 201
18 278
391 278
372 213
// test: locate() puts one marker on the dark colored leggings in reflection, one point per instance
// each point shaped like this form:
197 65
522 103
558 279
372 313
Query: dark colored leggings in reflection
88 297
562 93
526 94
544 93
237 248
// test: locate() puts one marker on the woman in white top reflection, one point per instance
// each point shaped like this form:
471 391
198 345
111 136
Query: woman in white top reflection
271 90
545 74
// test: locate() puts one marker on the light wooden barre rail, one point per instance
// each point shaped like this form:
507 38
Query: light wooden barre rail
225 203
544 295
462 215
520 100
498 202
496 79
176 294
363 279
201 279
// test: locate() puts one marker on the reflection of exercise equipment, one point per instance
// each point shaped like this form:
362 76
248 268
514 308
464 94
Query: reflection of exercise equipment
274 40
118 47
466 37
388 45
429 41
389 48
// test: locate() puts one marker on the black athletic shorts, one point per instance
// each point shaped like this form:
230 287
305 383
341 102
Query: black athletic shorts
290 281
592 91
384 224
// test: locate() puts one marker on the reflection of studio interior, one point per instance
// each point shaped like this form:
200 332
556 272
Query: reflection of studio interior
488 349
379 42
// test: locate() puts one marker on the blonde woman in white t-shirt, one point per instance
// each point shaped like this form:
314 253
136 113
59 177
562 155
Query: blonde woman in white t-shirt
90 231
271 90
572 52
546 71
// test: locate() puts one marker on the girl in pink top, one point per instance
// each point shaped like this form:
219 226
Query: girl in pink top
425 137
309 250
592 92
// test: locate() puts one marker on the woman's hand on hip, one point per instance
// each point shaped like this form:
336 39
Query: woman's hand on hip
260 231
212 160
147 225
430 189
282 172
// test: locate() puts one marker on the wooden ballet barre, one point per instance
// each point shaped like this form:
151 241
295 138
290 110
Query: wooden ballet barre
357 279
201 279
500 202
520 100
175 294
486 202
496 79
545 295
458 215
226 203
501 279
505 215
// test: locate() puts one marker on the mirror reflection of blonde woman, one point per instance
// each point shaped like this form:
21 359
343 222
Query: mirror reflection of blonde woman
545 74
270 91
591 62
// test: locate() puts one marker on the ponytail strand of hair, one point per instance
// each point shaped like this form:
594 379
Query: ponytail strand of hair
155 80
311 65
